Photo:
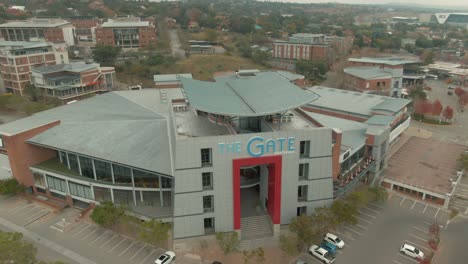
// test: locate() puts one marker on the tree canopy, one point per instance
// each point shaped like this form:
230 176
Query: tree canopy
105 54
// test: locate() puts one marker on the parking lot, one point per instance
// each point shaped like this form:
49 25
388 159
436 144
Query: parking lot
382 228
459 201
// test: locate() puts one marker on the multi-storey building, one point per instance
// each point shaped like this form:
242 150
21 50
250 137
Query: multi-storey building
72 81
368 79
18 57
128 32
85 27
245 153
456 19
302 47
42 29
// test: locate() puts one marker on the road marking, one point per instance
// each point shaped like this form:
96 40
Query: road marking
98 237
458 202
108 241
425 232
344 235
138 252
375 205
411 242
362 226
367 214
427 223
362 219
435 216
404 198
425 209
372 210
90 233
466 211
30 210
413 205
408 257
397 262
462 184
38 213
117 244
346 245
131 245
425 240
21 208
350 229
88 225
151 253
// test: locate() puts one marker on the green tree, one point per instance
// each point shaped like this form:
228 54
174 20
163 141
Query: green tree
323 220
10 186
302 227
380 194
423 42
288 245
311 69
463 162
257 255
14 249
154 232
105 54
260 57
344 213
211 35
229 242
106 214
358 198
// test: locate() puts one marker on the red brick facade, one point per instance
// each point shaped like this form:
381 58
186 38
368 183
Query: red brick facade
331 113
381 86
294 51
147 36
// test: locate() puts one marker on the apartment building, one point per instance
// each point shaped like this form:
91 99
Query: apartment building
127 33
85 27
18 57
39 29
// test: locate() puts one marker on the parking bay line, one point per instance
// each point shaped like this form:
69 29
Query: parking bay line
34 208
404 198
425 209
131 245
408 258
367 214
85 237
397 262
21 207
420 230
375 205
88 225
344 235
134 255
107 242
361 226
40 212
411 242
350 229
99 237
118 244
151 253
420 238
372 210
435 216
413 205
367 221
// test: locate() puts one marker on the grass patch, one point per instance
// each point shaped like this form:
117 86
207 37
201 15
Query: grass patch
22 104
421 118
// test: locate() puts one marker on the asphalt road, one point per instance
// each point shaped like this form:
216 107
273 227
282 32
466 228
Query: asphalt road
452 249
177 51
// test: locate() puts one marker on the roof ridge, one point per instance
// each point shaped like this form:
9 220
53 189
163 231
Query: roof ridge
116 121
142 106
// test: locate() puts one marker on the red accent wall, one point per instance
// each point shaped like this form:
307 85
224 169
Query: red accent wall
274 185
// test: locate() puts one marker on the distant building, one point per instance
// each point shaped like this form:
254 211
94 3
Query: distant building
163 81
302 47
128 32
16 10
42 29
72 81
368 79
193 26
85 27
457 19
18 57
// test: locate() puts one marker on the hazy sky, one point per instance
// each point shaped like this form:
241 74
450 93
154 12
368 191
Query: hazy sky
429 2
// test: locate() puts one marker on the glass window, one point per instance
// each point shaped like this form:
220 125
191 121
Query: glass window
302 193
63 158
166 182
145 179
208 203
303 170
56 184
86 167
103 170
122 175
80 190
205 156
73 159
150 198
207 180
39 179
304 147
208 222
123 197
102 194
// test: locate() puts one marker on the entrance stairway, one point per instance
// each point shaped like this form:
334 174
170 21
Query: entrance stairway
257 231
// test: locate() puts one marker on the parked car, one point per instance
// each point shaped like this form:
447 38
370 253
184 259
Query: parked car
329 247
216 262
329 237
165 258
322 254
452 87
300 262
450 93
411 251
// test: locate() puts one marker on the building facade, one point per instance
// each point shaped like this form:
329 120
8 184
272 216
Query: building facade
456 19
73 81
85 28
39 29
209 156
127 33
368 79
18 57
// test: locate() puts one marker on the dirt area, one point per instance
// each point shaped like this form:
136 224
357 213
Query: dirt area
425 163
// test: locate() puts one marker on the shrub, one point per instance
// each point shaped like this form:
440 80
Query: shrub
379 194
229 242
10 186
107 214
453 213
154 232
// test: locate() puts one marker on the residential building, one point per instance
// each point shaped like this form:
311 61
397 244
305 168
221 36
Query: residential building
85 27
39 29
73 81
247 152
127 32
18 57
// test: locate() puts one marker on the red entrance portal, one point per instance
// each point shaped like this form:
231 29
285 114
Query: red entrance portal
274 185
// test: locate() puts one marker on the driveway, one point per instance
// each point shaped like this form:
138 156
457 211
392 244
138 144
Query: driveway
176 47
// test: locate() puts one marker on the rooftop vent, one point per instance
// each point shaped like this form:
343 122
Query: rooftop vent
247 73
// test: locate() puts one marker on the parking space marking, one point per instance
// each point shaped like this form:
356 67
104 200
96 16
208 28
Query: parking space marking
107 242
408 258
88 225
151 253
397 262
17 209
425 240
458 202
367 214
134 255
425 209
131 245
85 237
411 242
350 229
466 211
438 209
38 213
370 209
118 244
367 221
420 230
346 245
32 209
404 198
413 205
362 226
99 237
344 235
427 223
375 205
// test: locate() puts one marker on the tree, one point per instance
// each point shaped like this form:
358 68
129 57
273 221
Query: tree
260 57
311 69
358 198
105 54
459 91
436 108
154 232
380 194
427 56
463 99
323 220
211 35
258 255
229 242
463 162
423 42
10 186
448 113
106 214
14 249
302 227
427 107
344 212
288 245
418 107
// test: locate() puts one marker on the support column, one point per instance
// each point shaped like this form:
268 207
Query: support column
161 201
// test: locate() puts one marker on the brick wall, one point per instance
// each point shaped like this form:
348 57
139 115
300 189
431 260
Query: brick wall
335 114
357 84
22 155
147 36
54 35
105 36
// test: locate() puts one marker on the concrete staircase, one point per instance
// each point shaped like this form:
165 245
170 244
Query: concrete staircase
257 231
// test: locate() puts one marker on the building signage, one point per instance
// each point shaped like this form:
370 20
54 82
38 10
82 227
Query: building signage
259 146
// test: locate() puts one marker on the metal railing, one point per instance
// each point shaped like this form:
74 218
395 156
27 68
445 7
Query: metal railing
348 181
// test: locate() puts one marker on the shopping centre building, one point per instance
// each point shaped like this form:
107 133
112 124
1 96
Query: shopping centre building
247 152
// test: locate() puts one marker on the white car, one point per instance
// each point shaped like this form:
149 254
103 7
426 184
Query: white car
166 258
329 237
411 251
322 254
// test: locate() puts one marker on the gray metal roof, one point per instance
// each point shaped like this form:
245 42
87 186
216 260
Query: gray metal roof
111 126
367 73
72 67
384 60
355 102
170 77
262 94
13 45
124 23
290 76
36 23
380 120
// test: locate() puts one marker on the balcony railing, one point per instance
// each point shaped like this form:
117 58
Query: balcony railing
349 180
